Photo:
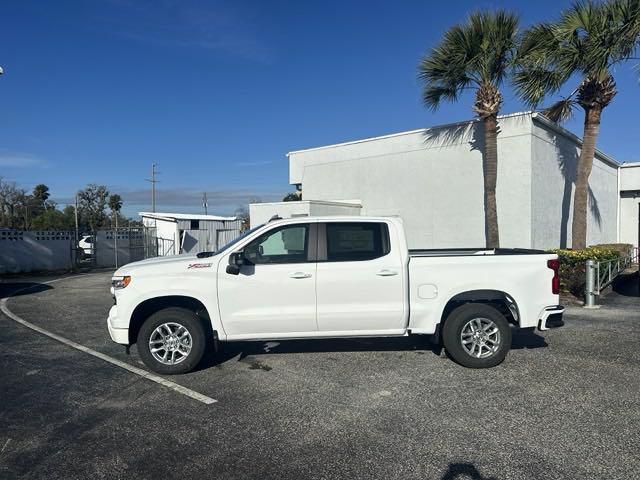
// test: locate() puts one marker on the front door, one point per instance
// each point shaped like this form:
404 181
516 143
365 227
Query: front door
360 280
275 294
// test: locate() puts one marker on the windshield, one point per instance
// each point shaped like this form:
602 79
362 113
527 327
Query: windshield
232 242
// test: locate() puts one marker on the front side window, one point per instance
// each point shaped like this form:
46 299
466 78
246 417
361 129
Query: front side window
357 241
287 244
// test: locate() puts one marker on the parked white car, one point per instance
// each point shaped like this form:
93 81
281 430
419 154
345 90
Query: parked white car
86 243
329 277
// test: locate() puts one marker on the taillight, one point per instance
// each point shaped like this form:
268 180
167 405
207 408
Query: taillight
555 282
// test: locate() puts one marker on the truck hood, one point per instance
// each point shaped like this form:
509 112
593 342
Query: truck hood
172 263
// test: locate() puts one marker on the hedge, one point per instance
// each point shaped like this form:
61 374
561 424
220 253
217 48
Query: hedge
572 263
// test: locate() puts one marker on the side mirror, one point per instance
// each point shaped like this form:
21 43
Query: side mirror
236 260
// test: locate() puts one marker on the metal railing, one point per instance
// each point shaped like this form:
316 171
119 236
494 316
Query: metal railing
599 275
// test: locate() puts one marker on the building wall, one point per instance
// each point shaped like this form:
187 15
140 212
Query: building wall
209 235
555 154
630 203
630 177
431 178
261 212
629 219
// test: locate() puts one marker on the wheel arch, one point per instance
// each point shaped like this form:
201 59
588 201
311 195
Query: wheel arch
498 299
152 305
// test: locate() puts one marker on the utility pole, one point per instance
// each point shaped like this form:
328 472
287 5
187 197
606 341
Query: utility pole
75 210
153 186
204 202
115 237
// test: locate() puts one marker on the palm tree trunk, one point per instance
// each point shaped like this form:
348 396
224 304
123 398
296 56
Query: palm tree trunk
585 164
490 167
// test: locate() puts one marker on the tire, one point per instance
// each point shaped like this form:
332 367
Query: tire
489 346
167 329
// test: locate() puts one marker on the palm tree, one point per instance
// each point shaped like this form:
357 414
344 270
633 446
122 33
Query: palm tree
588 40
115 205
476 55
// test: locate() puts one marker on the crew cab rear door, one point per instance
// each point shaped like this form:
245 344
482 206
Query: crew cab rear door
359 279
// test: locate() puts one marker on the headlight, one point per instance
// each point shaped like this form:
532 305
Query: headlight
120 282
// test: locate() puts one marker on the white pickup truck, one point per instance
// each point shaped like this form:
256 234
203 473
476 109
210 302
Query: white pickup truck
328 277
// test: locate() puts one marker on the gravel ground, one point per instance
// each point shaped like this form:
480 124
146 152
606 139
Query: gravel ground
564 404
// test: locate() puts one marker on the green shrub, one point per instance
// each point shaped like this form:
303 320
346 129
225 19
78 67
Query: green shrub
572 263
623 248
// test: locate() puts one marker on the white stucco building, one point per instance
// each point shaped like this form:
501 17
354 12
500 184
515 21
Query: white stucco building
432 178
629 216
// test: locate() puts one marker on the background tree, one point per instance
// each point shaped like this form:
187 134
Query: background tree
292 197
40 196
38 203
475 55
115 205
242 213
12 205
20 210
92 202
54 220
588 41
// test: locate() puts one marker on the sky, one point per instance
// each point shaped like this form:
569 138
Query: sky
217 92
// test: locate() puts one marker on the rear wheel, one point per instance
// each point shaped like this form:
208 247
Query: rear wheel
172 341
476 335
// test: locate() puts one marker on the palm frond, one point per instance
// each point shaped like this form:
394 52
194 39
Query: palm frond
596 36
561 111
472 54
588 39
538 70
537 43
535 81
620 34
433 95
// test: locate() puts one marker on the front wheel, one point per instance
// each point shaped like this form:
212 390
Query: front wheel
172 341
476 335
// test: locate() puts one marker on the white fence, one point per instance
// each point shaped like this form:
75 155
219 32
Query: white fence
35 250
129 243
29 251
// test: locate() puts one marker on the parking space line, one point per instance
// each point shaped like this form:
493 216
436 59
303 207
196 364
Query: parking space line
135 370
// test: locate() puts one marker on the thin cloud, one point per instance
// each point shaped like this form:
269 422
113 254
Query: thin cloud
187 197
186 25
20 161
257 163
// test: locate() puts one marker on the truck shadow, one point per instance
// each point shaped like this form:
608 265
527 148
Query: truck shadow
16 289
627 284
250 352
460 471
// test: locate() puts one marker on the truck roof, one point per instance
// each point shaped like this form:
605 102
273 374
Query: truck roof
341 218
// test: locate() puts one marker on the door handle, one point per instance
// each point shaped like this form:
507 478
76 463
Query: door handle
386 273
299 275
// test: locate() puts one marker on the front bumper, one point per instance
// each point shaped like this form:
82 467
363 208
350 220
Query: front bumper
551 317
118 335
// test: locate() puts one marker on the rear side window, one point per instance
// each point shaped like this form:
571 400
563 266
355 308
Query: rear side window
357 241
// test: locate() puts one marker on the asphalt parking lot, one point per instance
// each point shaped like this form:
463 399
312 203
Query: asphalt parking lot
564 404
